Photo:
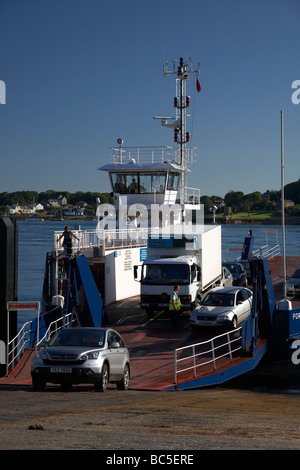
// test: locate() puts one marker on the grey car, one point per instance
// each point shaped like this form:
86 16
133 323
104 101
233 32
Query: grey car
293 284
223 306
82 355
238 273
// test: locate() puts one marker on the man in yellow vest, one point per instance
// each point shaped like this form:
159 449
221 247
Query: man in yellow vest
175 305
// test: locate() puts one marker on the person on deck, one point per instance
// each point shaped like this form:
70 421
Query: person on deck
67 241
175 306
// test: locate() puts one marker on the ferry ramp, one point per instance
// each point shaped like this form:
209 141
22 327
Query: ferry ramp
152 345
163 358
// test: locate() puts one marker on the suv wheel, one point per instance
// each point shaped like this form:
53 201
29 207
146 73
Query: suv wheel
101 386
38 384
124 383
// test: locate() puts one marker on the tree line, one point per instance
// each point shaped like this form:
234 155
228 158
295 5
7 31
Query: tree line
23 198
237 200
268 201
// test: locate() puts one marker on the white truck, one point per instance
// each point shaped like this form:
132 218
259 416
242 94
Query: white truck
195 264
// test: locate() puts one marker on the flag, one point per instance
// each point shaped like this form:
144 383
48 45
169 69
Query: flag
198 86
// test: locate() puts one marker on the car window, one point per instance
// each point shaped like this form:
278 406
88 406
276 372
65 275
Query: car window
240 296
226 273
246 293
113 337
109 337
119 340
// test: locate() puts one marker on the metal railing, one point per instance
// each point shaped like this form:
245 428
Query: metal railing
17 346
55 326
207 352
102 239
160 154
192 196
267 252
264 252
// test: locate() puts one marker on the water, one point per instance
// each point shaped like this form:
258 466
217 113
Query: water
36 238
233 237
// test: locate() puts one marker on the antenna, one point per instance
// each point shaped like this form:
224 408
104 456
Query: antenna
182 71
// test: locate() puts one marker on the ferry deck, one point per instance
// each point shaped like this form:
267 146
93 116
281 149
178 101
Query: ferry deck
152 343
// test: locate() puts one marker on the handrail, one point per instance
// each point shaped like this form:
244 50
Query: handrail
19 342
212 350
116 238
50 332
192 196
265 252
146 155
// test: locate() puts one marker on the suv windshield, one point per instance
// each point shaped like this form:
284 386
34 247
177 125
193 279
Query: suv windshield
167 274
73 337
214 299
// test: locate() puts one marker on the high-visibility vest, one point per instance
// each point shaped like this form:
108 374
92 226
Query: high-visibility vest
177 301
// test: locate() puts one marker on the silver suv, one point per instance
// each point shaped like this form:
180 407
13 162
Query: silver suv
82 355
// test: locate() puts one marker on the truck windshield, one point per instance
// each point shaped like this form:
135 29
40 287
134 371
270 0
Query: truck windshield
166 274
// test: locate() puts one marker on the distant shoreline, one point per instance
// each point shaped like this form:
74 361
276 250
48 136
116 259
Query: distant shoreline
227 220
54 219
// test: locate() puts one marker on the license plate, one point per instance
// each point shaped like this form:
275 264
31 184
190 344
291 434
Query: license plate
205 323
163 305
61 370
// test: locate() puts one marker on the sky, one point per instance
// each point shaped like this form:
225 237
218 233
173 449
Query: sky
79 74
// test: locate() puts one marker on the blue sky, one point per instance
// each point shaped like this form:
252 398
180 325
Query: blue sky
81 73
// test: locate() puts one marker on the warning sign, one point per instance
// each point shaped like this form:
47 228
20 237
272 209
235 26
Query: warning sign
23 305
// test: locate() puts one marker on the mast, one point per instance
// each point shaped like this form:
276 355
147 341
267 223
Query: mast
181 103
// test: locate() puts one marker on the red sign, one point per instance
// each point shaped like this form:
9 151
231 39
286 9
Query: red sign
23 305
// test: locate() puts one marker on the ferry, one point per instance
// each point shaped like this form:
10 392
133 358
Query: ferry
96 285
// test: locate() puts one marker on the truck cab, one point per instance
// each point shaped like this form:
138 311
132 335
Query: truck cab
193 263
158 277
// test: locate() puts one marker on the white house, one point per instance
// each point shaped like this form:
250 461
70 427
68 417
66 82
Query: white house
38 207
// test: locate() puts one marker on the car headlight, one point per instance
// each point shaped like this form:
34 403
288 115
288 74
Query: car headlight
90 355
223 317
290 286
42 354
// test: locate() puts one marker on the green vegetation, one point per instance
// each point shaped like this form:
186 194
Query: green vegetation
235 203
255 205
33 197
253 215
27 198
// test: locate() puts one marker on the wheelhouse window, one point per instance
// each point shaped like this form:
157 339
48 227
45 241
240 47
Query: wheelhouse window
173 181
124 183
152 183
